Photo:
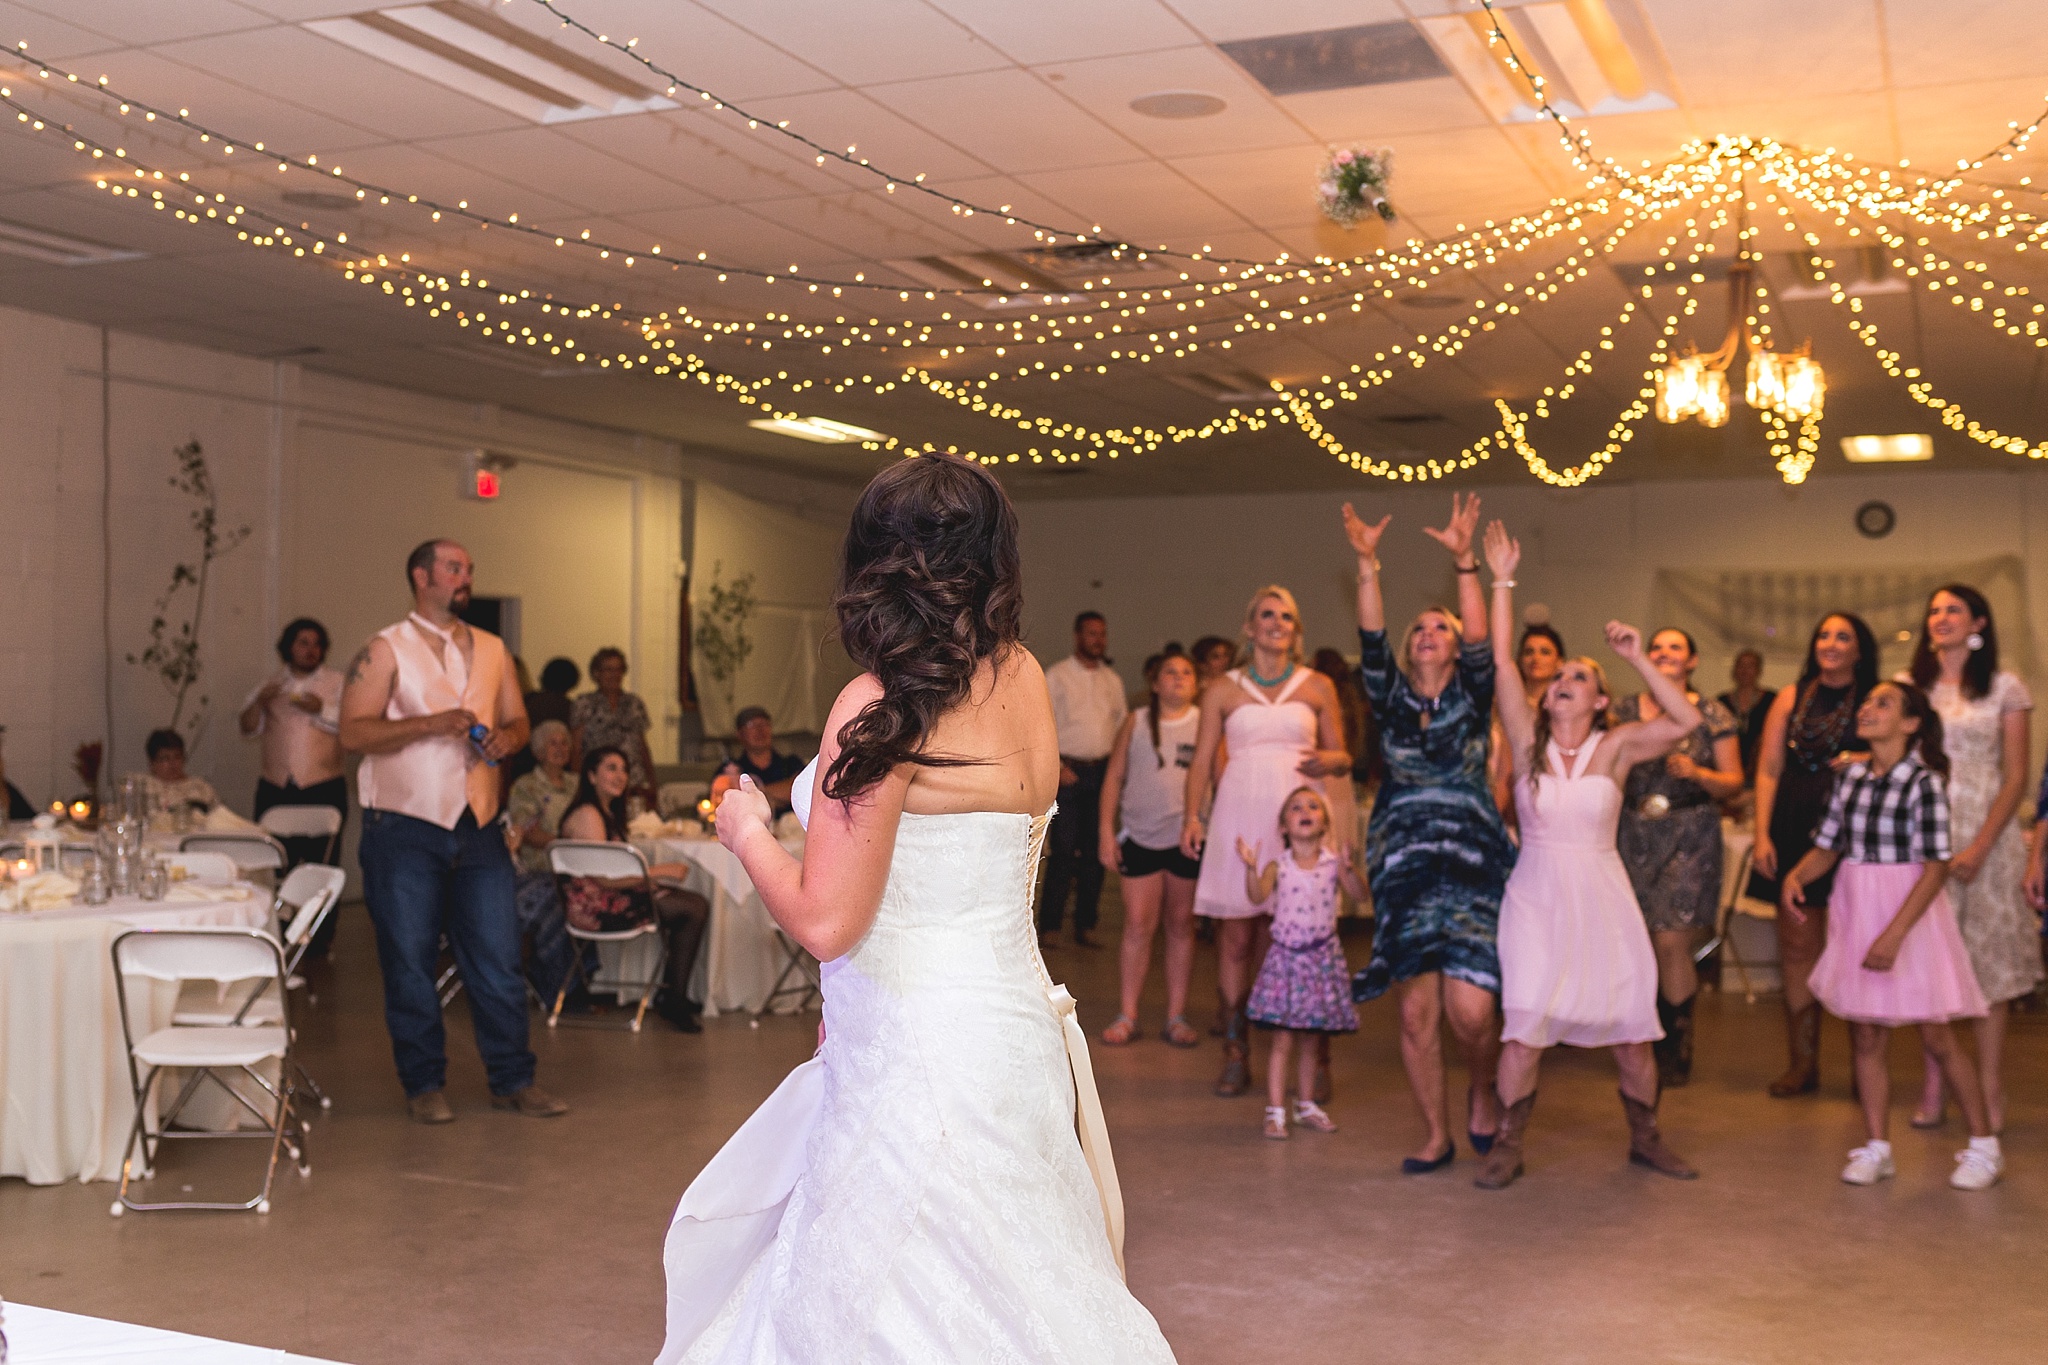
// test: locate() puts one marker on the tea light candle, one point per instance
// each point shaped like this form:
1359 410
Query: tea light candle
57 809
23 869
80 809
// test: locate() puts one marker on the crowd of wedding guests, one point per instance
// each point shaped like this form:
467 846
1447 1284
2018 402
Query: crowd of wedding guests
1545 855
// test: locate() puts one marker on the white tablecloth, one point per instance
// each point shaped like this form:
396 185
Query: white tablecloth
741 956
65 1101
39 1336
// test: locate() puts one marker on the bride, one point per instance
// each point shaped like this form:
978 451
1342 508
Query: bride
917 1191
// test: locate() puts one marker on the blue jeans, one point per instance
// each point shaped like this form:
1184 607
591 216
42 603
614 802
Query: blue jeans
422 881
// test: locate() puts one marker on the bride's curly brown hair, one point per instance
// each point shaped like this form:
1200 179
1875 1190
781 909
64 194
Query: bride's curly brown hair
929 587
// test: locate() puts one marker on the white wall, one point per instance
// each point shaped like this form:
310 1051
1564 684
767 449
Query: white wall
337 481
1178 568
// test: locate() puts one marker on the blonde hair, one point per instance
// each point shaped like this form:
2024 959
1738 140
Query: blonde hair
1274 591
1539 744
1329 816
1408 636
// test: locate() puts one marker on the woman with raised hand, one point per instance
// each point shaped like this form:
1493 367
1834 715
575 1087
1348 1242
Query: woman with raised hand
1671 840
1810 728
1436 853
1576 962
1282 724
1984 714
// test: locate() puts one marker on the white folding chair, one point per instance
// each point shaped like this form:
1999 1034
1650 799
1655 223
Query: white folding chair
248 852
209 954
204 866
573 858
306 822
303 903
808 986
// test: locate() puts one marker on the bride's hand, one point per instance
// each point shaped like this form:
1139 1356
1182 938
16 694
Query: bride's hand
1364 536
1503 551
742 806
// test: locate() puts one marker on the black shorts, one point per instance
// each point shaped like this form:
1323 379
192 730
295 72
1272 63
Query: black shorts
1135 860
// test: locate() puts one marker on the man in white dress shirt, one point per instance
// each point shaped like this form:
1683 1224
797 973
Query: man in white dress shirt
433 705
1088 708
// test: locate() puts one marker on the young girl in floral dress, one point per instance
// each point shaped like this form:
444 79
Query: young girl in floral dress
1304 988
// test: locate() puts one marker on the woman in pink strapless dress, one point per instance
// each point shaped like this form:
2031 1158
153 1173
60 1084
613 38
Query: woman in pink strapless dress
1576 964
1284 727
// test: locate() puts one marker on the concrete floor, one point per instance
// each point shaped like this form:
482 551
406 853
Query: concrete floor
505 1239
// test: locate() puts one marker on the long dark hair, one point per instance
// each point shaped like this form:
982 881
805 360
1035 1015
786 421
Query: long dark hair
613 812
1866 654
1152 667
1928 740
1982 665
929 586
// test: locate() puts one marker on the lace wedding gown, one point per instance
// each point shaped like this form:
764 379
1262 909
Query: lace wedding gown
916 1192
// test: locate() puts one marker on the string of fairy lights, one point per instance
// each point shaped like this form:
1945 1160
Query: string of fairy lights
1702 177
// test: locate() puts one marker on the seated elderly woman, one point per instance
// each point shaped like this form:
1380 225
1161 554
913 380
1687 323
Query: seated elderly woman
597 813
533 819
171 789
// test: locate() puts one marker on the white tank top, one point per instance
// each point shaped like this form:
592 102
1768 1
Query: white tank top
1155 796
433 779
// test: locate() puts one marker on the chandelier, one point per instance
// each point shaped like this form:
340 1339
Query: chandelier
1776 385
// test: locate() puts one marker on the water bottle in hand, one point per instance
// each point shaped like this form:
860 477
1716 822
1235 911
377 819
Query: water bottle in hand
478 735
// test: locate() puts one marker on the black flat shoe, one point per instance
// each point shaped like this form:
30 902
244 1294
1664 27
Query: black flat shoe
1411 1165
1482 1143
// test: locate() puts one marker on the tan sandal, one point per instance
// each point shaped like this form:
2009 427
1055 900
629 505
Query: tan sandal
1180 1033
1309 1114
1122 1030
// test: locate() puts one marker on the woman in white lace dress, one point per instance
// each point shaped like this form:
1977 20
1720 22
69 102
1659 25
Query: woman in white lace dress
1984 725
917 1192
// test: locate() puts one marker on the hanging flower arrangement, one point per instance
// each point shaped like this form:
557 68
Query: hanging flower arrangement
1354 183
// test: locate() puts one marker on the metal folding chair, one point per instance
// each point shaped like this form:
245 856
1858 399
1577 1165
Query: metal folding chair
304 902
809 986
216 1054
573 858
1736 902
248 852
306 822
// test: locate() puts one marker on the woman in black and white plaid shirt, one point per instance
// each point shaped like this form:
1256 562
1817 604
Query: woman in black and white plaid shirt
1894 954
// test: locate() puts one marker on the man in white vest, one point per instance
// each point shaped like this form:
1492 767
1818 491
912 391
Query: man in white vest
433 705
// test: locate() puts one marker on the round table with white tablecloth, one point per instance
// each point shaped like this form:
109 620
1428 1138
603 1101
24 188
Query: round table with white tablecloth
742 956
65 1098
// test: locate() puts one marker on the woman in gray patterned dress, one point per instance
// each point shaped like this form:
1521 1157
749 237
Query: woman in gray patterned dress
1670 841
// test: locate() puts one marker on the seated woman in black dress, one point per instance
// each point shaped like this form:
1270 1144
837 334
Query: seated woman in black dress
597 813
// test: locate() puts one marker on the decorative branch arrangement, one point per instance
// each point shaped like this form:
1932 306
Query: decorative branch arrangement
173 652
1353 184
722 640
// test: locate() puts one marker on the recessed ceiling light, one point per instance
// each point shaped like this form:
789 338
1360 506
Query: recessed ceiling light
1888 449
52 248
821 429
1178 104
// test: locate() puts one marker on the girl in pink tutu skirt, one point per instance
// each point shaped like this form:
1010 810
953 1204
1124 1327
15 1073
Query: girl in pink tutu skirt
1894 954
1303 991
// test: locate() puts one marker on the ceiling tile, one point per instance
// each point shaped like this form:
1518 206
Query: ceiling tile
1070 30
875 40
1140 201
136 23
1010 119
566 170
691 41
1228 20
1371 113
1107 86
1936 44
1742 50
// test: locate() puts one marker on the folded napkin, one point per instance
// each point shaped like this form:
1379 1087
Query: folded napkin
44 891
207 891
221 820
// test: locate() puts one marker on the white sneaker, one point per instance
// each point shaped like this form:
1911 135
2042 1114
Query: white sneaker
1871 1163
1976 1169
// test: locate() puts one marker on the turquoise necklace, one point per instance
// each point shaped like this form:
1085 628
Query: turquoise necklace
1285 674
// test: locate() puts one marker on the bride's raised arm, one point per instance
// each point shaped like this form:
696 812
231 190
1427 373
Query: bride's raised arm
1517 717
827 900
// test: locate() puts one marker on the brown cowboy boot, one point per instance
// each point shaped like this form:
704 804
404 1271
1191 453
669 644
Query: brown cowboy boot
1802 1036
1646 1145
1236 1076
1504 1163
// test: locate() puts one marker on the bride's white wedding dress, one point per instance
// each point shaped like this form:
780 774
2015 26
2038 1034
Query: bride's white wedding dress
916 1193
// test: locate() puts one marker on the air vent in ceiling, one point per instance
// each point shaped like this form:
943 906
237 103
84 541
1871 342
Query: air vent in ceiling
488 57
52 248
1337 58
320 199
1224 386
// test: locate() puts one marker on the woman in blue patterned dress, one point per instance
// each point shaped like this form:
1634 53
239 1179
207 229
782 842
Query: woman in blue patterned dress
1437 855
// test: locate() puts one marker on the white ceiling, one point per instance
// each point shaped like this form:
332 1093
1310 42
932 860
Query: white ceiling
1021 102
